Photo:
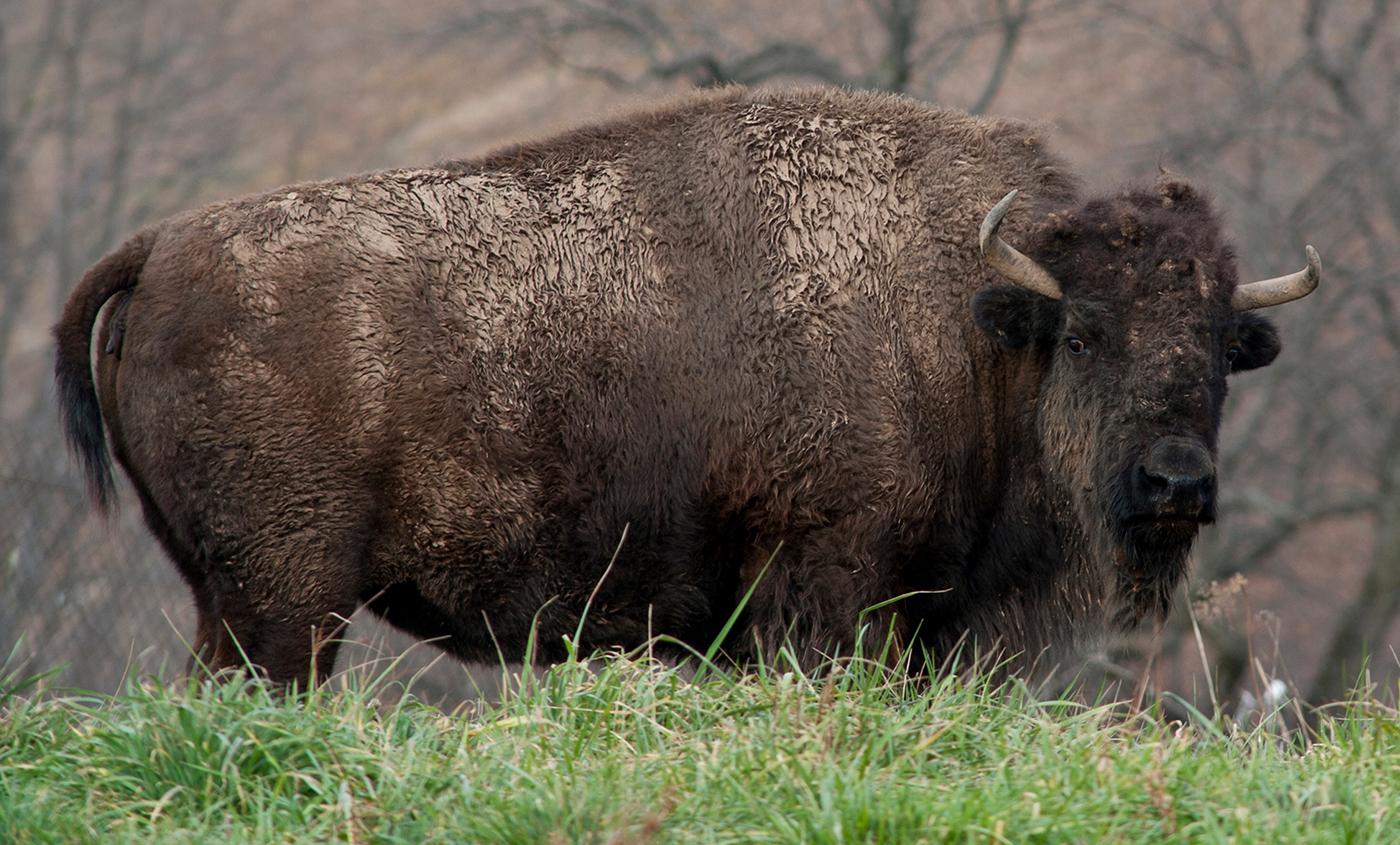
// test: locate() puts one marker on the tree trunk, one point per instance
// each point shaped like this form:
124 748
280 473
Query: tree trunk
1360 636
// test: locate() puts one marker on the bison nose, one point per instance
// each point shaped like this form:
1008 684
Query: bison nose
1178 479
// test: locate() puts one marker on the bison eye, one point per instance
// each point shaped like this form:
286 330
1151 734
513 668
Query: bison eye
1232 353
1076 346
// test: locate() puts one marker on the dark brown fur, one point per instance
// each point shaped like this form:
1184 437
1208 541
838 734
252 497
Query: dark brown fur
740 321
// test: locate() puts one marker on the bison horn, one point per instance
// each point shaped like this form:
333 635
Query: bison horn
1007 260
1282 289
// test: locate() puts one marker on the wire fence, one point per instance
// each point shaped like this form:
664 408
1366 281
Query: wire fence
91 595
97 600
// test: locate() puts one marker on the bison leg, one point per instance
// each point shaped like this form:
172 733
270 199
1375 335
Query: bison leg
286 649
817 595
283 645
283 615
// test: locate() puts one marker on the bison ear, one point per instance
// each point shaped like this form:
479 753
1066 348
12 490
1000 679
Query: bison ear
1013 316
1259 343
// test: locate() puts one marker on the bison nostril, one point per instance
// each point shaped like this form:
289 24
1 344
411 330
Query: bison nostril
1186 482
1196 487
1152 479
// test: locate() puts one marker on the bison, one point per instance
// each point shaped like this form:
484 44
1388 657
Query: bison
776 338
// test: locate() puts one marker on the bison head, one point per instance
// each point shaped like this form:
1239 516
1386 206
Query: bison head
1132 309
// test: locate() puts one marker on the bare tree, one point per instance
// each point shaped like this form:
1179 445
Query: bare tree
111 112
116 112
906 46
1315 438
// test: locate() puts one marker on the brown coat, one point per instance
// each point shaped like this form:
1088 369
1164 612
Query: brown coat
738 321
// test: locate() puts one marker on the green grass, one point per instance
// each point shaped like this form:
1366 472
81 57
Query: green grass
622 750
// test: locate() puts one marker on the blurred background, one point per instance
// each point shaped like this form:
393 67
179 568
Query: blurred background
115 113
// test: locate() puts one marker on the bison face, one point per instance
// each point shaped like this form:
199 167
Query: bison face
1132 311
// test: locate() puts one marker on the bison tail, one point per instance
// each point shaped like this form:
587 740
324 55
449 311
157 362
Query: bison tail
77 394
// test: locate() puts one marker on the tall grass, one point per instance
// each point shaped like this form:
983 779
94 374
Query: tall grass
626 749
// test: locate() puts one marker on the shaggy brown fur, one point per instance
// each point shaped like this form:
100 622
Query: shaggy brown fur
739 321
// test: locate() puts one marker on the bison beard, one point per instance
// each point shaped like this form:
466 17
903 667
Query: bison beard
743 323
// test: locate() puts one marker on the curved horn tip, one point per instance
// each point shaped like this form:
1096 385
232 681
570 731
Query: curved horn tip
1312 274
992 221
1314 263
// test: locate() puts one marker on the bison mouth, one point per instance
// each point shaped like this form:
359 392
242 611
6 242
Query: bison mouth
1165 526
1152 541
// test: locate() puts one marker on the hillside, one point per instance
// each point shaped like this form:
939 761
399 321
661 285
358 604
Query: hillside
625 751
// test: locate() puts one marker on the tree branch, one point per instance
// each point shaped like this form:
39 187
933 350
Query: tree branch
1012 24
